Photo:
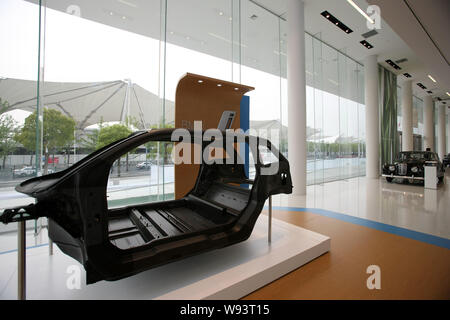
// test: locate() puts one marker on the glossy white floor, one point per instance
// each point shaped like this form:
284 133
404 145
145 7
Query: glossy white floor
403 205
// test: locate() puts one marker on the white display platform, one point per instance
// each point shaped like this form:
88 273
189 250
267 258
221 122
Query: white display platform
430 177
228 273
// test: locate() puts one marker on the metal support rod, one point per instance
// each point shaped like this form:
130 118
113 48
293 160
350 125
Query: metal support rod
50 247
21 261
270 220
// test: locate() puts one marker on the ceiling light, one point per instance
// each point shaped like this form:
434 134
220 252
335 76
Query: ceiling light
219 84
366 44
123 17
336 22
448 93
333 82
220 13
188 38
393 64
421 86
354 5
432 79
171 32
200 81
236 89
230 18
111 13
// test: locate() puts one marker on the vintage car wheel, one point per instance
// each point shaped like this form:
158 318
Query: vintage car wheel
389 179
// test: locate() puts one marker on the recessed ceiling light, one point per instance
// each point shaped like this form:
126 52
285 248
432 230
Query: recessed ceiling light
448 93
366 44
336 22
236 89
219 84
432 79
123 17
421 86
111 13
171 32
230 18
354 5
393 64
188 38
220 13
200 81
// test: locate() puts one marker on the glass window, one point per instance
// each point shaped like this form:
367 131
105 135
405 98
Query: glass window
96 71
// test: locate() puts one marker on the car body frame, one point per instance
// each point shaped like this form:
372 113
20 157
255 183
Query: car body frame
220 210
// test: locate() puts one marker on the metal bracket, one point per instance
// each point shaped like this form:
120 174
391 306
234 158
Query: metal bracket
270 220
21 261
19 214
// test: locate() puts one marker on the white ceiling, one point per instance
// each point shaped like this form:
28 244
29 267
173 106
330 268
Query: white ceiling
401 35
424 26
197 25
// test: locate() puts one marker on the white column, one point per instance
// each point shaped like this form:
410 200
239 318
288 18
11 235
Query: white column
441 131
296 95
428 123
407 125
372 117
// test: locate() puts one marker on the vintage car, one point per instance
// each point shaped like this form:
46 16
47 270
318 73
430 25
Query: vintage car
446 160
410 166
112 243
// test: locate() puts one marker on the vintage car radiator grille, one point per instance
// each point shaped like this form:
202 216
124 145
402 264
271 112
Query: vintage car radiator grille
402 169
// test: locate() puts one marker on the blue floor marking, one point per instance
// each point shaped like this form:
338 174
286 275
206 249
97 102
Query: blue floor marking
31 247
407 233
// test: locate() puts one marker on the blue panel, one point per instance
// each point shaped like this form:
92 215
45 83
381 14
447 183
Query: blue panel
245 125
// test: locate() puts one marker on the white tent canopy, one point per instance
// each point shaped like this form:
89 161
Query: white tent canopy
89 103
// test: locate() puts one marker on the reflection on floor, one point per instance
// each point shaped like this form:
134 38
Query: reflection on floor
403 205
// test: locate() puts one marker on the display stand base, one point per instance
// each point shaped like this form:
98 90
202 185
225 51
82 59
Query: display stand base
228 273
